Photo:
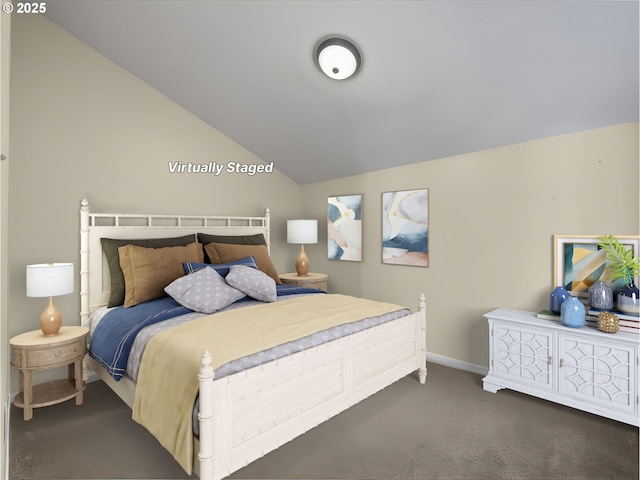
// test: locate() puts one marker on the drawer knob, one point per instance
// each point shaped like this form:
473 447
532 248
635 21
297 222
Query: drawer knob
57 354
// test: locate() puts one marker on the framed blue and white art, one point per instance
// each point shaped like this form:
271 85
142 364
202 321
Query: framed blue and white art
405 227
579 262
344 228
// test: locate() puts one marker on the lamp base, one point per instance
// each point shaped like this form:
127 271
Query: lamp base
51 319
302 263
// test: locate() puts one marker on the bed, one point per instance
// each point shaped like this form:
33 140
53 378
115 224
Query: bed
245 413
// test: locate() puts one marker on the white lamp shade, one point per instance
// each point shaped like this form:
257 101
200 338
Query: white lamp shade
302 231
49 279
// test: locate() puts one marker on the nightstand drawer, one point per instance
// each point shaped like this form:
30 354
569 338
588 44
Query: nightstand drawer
50 357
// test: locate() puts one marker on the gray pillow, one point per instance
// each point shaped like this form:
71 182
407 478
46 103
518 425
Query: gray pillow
254 283
203 291
110 248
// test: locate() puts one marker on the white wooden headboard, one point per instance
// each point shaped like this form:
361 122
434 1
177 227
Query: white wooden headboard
95 283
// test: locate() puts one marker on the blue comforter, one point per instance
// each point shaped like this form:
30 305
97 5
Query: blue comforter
113 338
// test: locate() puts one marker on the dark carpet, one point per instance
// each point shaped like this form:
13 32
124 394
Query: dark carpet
447 429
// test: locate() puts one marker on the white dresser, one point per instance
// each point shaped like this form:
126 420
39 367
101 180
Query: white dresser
582 368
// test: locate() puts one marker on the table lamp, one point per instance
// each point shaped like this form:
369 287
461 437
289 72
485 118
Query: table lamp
50 280
302 232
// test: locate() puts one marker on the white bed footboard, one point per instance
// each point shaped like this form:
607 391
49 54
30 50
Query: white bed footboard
246 415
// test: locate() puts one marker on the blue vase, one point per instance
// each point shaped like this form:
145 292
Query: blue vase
572 313
600 296
558 296
629 300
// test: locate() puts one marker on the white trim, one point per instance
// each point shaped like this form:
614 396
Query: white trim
7 410
455 363
93 377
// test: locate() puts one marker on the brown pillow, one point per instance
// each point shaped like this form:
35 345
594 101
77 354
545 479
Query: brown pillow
226 253
206 238
148 270
110 248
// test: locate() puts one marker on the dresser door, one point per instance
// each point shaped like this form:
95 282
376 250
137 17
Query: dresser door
522 354
597 372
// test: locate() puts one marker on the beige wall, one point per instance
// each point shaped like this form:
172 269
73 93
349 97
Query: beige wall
492 217
83 127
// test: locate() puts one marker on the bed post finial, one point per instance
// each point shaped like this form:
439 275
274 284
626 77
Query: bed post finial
205 364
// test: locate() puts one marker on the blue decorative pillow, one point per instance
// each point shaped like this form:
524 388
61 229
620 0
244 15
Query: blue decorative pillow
203 291
221 268
253 282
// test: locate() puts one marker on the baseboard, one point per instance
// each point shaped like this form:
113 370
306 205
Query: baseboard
431 357
7 417
455 363
93 377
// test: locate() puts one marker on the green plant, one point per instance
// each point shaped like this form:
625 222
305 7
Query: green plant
623 265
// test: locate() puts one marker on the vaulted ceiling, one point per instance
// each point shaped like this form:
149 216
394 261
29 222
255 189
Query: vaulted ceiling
439 77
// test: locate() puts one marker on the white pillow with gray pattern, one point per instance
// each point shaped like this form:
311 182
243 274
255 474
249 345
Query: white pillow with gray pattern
203 291
254 283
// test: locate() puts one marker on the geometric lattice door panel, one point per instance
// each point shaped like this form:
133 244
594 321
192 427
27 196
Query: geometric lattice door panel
523 354
581 368
596 372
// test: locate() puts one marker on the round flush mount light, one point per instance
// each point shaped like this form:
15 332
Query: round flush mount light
338 58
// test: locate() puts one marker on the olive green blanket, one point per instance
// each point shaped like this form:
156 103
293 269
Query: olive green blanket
168 377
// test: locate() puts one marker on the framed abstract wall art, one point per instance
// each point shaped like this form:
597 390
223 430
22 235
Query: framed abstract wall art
405 227
344 228
578 262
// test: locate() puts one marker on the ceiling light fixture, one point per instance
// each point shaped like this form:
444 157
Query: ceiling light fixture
338 58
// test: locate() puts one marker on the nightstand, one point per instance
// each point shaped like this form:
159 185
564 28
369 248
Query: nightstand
313 280
34 351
